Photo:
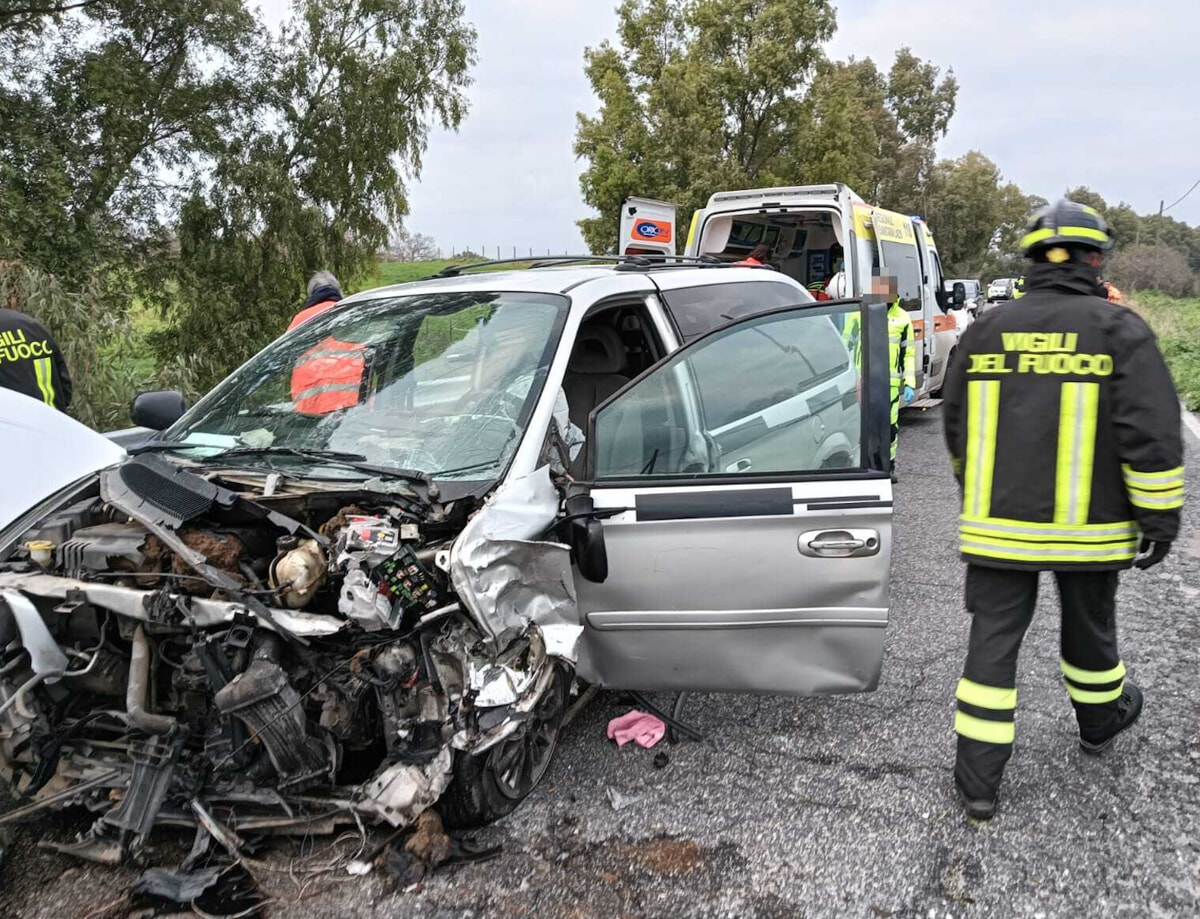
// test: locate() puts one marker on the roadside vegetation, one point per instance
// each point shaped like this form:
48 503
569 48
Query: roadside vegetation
1176 322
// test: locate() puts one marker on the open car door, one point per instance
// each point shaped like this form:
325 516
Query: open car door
746 510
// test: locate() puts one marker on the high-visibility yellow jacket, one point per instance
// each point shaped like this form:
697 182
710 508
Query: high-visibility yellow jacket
902 351
1064 430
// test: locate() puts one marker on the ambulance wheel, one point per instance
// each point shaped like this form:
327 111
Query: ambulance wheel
489 785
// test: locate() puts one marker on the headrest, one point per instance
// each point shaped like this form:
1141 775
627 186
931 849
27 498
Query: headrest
598 349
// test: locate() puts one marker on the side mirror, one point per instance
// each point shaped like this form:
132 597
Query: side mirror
959 294
585 535
157 409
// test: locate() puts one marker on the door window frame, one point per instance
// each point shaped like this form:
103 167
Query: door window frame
869 313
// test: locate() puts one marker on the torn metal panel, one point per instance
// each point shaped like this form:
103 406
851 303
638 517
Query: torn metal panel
505 574
46 658
403 790
132 603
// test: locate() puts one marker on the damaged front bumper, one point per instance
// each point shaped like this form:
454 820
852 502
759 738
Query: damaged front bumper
155 706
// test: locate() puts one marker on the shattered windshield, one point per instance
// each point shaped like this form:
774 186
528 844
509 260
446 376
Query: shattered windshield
440 383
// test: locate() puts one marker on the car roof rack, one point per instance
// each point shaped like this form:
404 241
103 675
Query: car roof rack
620 262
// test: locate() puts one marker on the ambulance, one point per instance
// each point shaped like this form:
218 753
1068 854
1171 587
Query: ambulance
813 232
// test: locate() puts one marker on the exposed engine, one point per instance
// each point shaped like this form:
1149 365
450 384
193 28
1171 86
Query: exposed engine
176 648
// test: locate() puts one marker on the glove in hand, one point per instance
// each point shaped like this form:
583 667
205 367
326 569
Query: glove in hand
1151 554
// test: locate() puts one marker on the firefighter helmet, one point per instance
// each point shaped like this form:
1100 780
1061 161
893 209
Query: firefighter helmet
1066 223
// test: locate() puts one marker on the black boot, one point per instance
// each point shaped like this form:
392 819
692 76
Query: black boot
976 808
1127 710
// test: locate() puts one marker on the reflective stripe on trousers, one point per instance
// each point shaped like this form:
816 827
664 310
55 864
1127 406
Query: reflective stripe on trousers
1093 687
985 713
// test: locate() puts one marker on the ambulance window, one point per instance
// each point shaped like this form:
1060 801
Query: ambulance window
900 261
699 310
936 277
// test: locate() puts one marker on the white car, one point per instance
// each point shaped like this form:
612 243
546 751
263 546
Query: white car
290 617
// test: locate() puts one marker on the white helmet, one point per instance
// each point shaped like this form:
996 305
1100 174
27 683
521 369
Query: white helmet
836 288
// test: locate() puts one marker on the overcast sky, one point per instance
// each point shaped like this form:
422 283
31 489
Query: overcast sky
1102 94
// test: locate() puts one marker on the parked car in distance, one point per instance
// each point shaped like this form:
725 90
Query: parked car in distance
1001 289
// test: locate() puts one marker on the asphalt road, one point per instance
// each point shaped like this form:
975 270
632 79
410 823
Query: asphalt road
839 807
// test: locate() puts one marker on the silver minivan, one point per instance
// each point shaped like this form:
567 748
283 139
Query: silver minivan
640 474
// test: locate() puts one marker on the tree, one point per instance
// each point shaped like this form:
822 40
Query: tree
699 95
99 111
313 176
1137 267
702 95
410 247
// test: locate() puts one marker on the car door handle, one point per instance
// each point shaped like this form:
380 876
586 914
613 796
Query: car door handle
740 466
839 543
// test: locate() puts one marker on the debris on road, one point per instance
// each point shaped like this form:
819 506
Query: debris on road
640 728
620 801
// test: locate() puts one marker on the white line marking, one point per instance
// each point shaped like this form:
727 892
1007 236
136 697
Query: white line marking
1191 421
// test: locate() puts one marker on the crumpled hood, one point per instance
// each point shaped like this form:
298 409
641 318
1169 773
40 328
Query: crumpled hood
44 451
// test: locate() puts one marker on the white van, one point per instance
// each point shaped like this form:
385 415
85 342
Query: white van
813 232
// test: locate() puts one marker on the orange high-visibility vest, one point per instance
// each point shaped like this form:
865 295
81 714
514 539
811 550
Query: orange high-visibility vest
328 377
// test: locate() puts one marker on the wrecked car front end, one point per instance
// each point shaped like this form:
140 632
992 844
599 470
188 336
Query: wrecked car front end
271 651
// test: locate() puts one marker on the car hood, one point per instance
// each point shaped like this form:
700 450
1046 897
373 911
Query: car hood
45 451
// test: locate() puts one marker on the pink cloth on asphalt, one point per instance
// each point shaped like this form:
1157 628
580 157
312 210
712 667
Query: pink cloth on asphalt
643 729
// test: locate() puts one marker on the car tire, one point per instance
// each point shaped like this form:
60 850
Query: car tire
489 785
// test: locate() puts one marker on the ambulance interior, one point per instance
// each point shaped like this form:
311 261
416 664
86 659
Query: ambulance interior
805 245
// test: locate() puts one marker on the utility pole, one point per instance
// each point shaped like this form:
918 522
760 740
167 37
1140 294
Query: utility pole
1157 230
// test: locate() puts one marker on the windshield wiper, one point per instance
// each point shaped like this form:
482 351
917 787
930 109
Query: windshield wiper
160 446
332 457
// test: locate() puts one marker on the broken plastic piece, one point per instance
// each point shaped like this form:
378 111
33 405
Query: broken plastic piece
621 801
45 656
362 602
403 790
217 891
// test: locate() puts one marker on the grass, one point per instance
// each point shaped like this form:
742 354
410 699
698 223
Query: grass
1176 322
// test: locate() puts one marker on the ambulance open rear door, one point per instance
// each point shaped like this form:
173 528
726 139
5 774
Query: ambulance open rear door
647 227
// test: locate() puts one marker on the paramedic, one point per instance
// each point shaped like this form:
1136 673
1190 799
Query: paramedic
1064 432
329 375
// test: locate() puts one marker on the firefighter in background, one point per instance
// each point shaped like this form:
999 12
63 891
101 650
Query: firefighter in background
1019 288
902 352
817 289
30 362
1064 431
759 256
328 376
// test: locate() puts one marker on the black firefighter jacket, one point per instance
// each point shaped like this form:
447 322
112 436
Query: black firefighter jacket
30 361
1064 430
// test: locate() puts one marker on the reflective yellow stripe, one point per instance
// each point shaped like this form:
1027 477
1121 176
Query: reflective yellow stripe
980 729
1036 236
1092 677
1012 550
1036 532
1090 697
45 379
983 403
1167 476
994 697
1047 232
1163 502
1078 407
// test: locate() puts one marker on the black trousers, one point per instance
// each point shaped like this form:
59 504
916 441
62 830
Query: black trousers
1002 603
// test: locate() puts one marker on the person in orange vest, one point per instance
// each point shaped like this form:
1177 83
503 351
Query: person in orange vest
329 375
758 256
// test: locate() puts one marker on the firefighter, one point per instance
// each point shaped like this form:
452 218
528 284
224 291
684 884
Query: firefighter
1064 432
30 362
1019 288
902 354
328 377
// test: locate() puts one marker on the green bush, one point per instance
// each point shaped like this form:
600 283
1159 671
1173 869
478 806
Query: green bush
1176 321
